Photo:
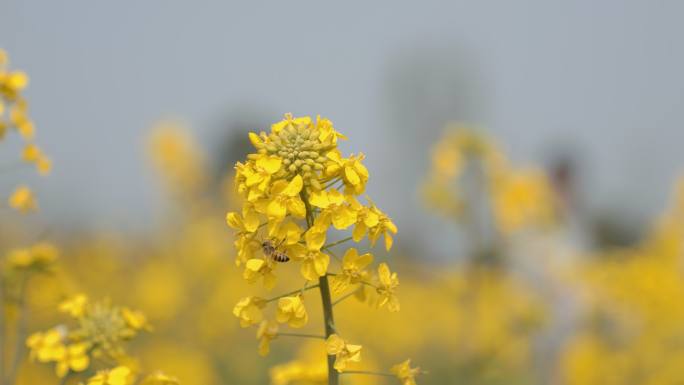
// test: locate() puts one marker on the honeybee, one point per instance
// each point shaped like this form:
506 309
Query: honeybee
271 251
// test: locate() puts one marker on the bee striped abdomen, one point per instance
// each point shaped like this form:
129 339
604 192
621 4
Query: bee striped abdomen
271 252
279 256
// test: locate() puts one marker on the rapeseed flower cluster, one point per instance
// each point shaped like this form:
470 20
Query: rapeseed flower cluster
95 338
14 117
519 198
99 332
295 188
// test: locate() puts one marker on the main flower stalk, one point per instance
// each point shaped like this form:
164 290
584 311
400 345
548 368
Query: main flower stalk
333 375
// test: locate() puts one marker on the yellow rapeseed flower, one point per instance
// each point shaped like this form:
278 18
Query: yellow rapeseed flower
343 352
291 310
260 268
353 272
248 310
405 373
387 285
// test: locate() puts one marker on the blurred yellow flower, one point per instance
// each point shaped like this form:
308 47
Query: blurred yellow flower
405 373
46 346
39 256
135 319
248 310
267 331
120 375
73 358
23 200
74 306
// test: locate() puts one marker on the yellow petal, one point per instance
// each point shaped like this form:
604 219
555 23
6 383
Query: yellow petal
233 220
334 344
276 209
319 199
321 262
343 218
252 221
294 187
270 164
314 239
351 176
80 363
296 207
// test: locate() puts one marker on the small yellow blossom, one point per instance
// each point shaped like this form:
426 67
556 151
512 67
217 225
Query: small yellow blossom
246 247
284 199
135 319
248 310
177 157
39 256
43 165
351 170
248 222
23 200
337 209
387 285
267 331
291 310
327 131
353 272
120 375
72 358
343 352
405 373
260 268
259 177
46 346
314 263
385 228
74 306
31 153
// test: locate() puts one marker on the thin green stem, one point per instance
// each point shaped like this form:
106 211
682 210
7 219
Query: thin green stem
302 335
369 284
333 375
328 319
368 372
334 182
18 350
293 292
325 247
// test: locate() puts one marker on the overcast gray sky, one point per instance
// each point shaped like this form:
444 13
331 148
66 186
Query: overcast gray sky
600 77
